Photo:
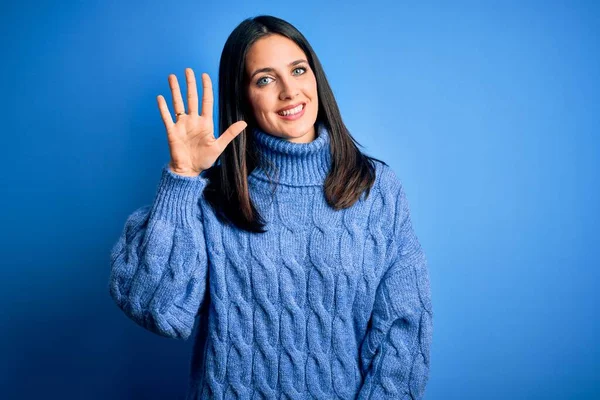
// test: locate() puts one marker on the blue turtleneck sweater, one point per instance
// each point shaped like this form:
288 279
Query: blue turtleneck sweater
326 304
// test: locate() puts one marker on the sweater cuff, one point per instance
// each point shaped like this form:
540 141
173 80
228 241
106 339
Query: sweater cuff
177 197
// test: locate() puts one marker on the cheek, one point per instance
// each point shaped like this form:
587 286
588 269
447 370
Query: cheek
259 104
314 97
312 90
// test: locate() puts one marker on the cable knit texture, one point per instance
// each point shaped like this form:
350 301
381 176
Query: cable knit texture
325 305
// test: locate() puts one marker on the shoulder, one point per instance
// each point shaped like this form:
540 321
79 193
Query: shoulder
395 210
393 205
387 181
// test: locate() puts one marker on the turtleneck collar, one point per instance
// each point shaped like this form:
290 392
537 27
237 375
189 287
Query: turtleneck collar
293 164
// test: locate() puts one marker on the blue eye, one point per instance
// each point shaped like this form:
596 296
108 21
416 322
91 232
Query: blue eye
302 68
258 82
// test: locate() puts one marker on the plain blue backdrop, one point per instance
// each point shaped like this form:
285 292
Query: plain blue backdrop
488 111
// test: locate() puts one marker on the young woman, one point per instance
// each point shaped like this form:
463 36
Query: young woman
296 251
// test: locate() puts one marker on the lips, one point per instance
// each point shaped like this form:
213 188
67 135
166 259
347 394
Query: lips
290 107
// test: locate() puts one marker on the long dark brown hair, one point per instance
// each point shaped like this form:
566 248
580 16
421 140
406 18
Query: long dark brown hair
351 173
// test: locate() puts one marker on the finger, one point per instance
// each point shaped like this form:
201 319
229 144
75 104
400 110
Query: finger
231 133
164 112
192 92
176 94
207 96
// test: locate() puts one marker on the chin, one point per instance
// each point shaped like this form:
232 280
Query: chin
294 129
297 134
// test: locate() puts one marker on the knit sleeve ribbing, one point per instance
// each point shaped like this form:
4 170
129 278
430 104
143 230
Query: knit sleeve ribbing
395 354
158 271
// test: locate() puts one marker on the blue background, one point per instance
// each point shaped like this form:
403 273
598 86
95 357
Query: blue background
488 112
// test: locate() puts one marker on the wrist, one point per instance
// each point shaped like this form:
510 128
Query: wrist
184 172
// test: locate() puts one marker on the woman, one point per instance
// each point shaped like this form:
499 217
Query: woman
296 250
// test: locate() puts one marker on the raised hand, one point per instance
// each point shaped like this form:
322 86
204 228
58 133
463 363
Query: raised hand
192 143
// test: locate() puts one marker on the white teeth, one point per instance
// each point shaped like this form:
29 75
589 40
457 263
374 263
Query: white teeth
292 111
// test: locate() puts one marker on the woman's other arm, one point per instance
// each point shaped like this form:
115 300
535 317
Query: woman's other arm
395 353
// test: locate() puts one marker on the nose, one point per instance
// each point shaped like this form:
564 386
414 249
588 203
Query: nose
289 88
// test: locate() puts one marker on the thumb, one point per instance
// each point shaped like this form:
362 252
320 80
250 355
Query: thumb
231 133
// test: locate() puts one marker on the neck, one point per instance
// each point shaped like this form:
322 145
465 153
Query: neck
292 164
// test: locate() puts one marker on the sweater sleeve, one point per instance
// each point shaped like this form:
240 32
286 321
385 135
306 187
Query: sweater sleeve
158 271
395 352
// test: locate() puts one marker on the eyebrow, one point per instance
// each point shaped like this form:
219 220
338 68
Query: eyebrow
269 69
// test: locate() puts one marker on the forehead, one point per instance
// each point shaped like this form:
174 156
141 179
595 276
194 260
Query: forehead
273 51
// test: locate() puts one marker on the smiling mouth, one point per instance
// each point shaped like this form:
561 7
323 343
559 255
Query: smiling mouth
293 111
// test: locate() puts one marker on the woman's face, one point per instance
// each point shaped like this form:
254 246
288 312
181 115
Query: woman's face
279 77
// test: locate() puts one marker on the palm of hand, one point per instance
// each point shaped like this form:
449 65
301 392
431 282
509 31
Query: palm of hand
192 144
